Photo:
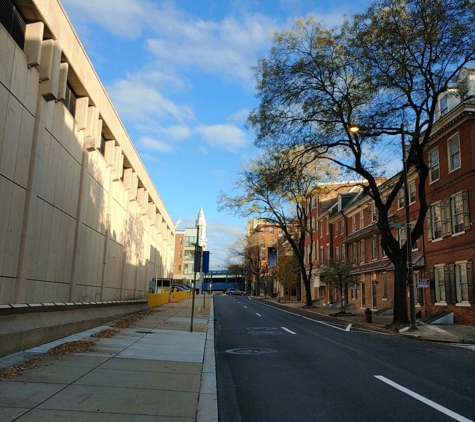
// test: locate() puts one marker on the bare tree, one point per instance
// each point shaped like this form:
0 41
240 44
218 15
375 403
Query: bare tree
277 187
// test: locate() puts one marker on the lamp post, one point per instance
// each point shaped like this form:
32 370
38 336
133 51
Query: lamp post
410 272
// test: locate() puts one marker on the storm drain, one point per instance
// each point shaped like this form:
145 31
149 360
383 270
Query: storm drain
144 332
250 351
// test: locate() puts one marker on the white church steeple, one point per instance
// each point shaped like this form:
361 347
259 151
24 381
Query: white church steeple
201 223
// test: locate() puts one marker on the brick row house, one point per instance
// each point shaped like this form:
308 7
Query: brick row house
345 221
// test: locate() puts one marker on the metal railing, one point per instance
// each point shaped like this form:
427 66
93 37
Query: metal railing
13 21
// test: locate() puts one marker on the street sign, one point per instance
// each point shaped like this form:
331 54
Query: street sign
423 283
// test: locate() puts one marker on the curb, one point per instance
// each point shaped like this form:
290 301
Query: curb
208 398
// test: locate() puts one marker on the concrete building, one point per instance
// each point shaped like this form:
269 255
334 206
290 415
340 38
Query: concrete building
81 220
185 241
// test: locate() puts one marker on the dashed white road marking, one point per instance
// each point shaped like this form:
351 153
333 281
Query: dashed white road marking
348 328
258 314
245 307
430 403
289 331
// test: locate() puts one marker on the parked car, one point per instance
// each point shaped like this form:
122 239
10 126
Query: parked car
234 291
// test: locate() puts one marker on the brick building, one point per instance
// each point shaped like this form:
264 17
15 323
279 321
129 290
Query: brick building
346 223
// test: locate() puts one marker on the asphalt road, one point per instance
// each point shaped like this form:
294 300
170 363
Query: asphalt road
276 365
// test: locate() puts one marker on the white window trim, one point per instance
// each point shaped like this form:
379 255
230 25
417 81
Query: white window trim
438 156
448 154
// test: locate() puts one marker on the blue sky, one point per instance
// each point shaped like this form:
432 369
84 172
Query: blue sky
180 75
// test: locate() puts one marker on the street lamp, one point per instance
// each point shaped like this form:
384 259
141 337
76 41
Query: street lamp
410 271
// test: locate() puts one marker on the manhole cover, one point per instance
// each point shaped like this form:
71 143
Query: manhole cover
250 351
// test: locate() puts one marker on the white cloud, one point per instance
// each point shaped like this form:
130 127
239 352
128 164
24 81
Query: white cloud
228 48
127 19
154 144
239 116
223 136
138 100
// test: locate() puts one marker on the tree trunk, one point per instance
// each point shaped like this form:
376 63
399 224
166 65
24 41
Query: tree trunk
400 316
308 292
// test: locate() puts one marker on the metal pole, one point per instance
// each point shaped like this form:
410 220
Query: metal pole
410 272
194 284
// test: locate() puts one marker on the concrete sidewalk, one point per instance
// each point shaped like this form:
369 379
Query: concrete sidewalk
154 370
454 333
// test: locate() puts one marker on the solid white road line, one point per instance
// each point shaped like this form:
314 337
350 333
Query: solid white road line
286 329
430 403
258 314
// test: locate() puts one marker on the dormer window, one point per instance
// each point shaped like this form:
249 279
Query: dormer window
444 106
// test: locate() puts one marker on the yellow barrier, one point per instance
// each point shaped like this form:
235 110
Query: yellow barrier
157 299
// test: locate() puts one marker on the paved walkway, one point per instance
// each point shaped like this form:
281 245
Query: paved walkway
155 369
463 334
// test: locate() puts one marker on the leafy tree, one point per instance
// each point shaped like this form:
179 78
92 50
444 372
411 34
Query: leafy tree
276 186
287 272
337 274
384 70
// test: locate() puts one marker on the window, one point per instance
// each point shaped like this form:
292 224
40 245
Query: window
354 252
453 145
271 242
361 219
412 192
374 247
436 221
320 258
263 243
180 254
353 223
189 255
460 212
320 228
327 251
271 230
415 245
461 282
190 240
354 292
69 100
463 88
179 267
337 253
335 229
327 223
384 283
13 22
343 252
439 283
443 106
400 199
342 231
373 213
434 172
181 241
362 250
401 235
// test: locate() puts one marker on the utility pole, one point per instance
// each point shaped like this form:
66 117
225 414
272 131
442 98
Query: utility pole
410 271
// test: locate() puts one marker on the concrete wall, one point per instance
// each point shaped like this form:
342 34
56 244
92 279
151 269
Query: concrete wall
80 218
